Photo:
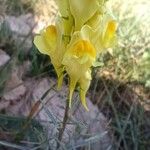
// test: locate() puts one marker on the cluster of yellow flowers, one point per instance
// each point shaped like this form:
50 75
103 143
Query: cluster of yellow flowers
81 32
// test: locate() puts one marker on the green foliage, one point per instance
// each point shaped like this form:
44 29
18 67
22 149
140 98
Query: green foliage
34 132
127 69
145 68
6 42
39 63
6 38
128 63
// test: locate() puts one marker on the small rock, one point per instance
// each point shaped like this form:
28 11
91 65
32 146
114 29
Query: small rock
14 89
21 28
92 122
23 69
4 58
3 104
13 100
21 25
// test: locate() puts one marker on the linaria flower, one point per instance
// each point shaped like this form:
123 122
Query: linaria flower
77 60
46 42
82 32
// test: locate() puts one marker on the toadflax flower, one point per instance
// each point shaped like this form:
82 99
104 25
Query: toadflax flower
46 43
77 60
82 32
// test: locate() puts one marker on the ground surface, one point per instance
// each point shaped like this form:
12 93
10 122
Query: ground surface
119 91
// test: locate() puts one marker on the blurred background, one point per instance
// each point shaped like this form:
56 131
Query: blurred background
31 109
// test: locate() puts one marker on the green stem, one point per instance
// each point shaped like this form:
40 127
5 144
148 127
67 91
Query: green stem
64 123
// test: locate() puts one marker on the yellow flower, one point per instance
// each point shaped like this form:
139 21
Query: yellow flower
83 10
102 30
107 32
65 18
81 33
46 43
109 36
77 60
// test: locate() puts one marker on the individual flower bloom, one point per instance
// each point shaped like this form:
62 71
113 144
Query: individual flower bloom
103 35
108 36
83 10
46 43
65 18
77 60
46 40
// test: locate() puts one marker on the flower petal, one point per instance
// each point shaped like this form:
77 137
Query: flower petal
65 18
95 20
40 44
50 36
82 11
84 86
109 36
46 41
72 85
63 6
77 60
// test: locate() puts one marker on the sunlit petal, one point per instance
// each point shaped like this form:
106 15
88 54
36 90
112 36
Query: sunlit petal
82 11
46 41
109 35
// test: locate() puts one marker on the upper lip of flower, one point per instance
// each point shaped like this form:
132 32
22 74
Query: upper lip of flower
82 11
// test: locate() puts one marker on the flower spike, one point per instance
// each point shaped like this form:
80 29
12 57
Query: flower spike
82 32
